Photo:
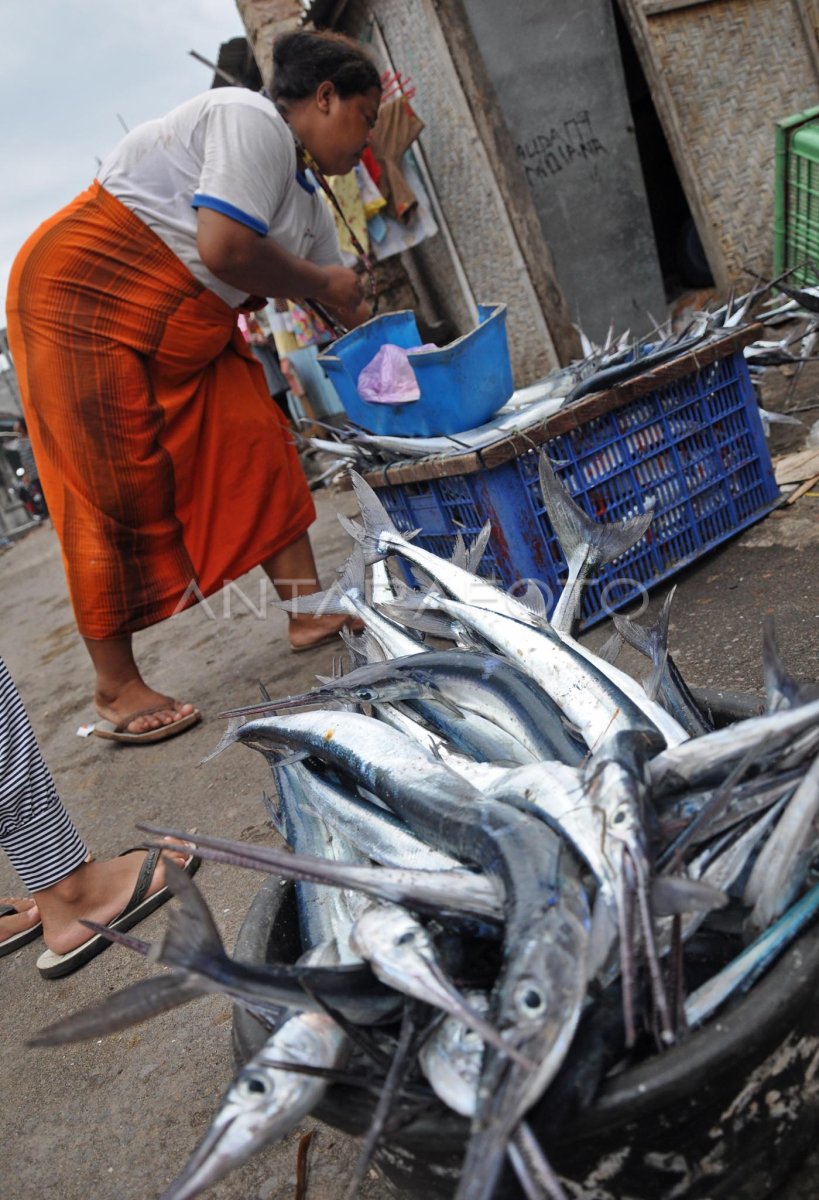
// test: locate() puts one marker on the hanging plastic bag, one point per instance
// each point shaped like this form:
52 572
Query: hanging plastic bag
388 378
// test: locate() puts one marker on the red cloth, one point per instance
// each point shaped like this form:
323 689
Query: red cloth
167 468
371 163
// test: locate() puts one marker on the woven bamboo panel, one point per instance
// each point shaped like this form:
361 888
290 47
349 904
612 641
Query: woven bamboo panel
725 71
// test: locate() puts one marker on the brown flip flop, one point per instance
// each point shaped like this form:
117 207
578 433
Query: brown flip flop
119 732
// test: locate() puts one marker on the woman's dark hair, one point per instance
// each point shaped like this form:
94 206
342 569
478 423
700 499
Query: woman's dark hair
303 60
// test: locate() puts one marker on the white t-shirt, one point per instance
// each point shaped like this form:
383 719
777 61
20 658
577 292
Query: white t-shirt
229 150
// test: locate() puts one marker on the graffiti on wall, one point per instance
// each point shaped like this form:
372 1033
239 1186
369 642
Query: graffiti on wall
567 144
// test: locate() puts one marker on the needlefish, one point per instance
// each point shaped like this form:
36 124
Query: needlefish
540 989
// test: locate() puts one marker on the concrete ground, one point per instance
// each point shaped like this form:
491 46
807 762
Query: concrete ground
116 1119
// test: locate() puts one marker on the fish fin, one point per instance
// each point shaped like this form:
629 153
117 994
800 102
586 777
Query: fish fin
423 579
350 526
632 634
130 1006
475 552
419 619
586 347
610 650
532 598
458 556
191 934
230 736
273 808
375 517
447 705
779 685
654 682
335 598
466 639
605 541
650 640
368 648
286 759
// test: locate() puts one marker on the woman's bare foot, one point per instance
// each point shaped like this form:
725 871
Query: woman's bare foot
26 916
96 891
121 692
137 697
306 631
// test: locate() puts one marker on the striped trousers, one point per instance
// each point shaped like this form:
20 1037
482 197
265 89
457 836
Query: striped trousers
36 832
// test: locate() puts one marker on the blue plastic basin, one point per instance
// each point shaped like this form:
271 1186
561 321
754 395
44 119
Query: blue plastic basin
461 384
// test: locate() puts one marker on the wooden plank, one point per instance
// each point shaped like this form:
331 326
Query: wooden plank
794 468
802 489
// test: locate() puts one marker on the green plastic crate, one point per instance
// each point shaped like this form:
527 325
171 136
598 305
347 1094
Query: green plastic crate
796 203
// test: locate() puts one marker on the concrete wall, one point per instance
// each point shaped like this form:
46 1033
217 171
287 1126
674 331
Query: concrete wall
465 177
556 70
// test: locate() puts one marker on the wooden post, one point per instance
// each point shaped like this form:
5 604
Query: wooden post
262 20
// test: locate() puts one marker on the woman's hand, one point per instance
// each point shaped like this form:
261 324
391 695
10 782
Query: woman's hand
342 289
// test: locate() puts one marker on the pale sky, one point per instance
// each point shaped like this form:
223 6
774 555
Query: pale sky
67 68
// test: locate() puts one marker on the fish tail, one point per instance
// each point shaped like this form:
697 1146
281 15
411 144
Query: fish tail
336 598
191 937
475 552
575 529
779 684
650 640
377 520
130 1006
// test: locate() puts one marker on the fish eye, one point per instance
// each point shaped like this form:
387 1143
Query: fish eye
365 694
252 1085
530 998
405 938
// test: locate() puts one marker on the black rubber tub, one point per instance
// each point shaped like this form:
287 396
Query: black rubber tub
727 1115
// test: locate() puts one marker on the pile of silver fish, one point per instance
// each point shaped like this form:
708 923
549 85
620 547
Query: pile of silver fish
492 831
615 360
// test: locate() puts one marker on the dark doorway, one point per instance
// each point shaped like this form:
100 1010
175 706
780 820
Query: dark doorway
679 249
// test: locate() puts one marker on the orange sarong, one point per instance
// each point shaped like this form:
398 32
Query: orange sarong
167 468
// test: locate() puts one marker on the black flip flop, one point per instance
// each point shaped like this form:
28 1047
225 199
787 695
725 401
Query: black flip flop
18 939
54 966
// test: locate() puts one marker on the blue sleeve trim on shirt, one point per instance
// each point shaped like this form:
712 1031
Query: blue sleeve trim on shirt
229 210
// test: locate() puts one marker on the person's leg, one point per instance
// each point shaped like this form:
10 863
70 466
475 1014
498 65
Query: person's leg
292 571
121 690
45 848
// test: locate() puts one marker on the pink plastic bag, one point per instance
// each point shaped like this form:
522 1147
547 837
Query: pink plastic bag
388 378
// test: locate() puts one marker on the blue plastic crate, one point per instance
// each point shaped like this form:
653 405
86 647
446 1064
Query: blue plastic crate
696 445
462 385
